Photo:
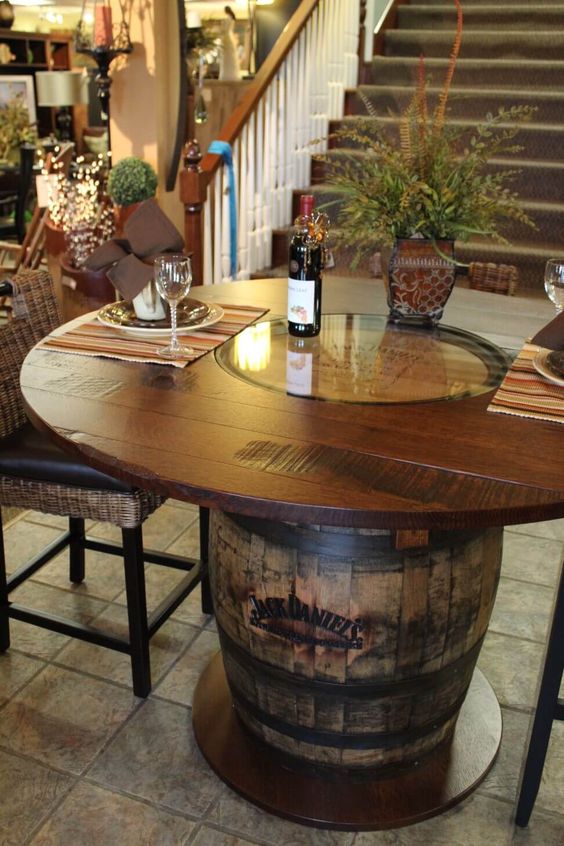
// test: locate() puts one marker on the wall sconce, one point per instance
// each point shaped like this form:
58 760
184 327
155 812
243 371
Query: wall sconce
97 36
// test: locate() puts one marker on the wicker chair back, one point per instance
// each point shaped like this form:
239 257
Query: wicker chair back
35 314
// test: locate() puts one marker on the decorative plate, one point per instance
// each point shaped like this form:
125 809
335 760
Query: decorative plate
550 365
192 315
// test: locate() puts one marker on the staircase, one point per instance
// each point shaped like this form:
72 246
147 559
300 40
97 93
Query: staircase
511 54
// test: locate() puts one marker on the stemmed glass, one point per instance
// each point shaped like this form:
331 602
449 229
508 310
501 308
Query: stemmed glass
554 282
173 277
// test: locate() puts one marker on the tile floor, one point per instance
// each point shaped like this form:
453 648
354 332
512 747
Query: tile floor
82 761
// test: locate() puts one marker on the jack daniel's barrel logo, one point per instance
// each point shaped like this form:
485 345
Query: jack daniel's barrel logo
273 613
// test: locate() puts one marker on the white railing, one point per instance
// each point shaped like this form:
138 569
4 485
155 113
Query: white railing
272 153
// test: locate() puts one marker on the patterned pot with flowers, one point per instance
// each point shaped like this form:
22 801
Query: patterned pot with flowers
420 277
422 187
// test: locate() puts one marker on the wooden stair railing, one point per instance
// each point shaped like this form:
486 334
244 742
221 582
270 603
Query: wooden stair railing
297 91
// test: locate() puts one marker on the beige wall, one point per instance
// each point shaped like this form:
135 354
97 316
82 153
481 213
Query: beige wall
143 95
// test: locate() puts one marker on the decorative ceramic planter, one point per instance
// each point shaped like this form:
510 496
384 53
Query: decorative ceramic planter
148 304
419 280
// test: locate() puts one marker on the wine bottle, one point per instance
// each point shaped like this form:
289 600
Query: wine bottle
304 275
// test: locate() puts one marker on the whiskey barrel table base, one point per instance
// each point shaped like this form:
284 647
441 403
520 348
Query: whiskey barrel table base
348 655
256 772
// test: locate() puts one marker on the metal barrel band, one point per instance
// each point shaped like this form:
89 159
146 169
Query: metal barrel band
337 740
350 690
336 544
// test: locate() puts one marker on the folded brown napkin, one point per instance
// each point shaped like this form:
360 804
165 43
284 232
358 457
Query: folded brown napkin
129 261
130 275
150 232
108 253
551 336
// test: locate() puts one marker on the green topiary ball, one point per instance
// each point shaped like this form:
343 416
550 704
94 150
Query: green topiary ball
131 181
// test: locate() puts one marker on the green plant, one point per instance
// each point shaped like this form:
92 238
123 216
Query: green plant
434 183
131 181
15 127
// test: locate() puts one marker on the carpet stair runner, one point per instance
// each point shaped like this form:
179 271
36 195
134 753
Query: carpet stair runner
512 54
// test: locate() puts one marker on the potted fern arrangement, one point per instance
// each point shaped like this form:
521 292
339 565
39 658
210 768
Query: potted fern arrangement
422 194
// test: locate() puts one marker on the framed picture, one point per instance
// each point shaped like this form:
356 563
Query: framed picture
19 86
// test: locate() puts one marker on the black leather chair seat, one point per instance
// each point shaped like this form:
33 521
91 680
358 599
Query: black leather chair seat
31 455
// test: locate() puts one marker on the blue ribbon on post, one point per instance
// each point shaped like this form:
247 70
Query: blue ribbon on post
223 149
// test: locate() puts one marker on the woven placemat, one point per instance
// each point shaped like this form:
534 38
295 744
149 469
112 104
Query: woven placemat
96 339
525 393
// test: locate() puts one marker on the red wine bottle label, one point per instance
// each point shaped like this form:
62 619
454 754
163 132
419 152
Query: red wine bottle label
299 372
301 300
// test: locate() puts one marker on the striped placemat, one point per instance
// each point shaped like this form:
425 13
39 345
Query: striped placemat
96 339
525 393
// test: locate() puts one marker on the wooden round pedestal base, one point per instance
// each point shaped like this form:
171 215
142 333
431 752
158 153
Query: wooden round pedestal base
257 773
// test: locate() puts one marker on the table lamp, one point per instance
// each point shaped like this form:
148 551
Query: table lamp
61 89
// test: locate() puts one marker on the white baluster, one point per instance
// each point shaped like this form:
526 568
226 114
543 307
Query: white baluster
208 228
268 173
251 208
289 112
242 201
281 191
217 235
259 186
296 96
225 229
353 29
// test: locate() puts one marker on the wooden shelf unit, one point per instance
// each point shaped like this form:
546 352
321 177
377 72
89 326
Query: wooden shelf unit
37 51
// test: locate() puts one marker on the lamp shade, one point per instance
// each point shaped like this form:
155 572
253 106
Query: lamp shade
61 88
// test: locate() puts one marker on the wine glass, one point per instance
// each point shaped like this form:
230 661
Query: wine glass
554 282
173 277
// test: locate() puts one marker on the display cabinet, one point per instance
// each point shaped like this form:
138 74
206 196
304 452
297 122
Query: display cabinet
35 51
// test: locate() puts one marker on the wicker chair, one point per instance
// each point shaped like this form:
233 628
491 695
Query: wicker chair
496 278
36 474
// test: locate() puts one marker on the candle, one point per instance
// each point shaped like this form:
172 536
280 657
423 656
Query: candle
194 20
103 26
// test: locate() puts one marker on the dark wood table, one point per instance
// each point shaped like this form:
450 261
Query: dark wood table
417 471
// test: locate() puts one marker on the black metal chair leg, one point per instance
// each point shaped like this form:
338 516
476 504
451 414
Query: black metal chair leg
137 610
4 619
548 709
207 604
76 549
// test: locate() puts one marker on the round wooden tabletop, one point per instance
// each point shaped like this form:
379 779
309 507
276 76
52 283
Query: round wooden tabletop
203 435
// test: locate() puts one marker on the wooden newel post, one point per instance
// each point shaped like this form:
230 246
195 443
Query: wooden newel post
193 195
